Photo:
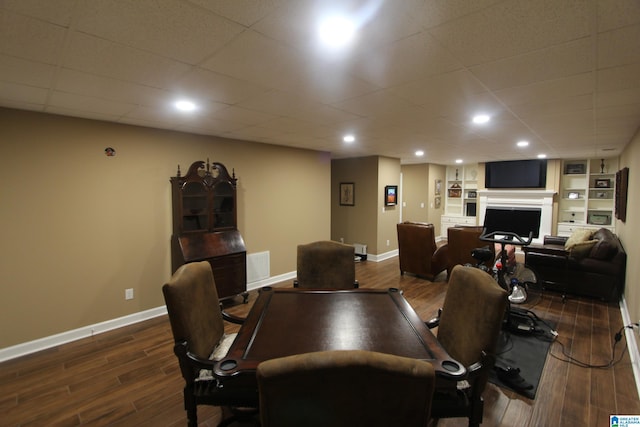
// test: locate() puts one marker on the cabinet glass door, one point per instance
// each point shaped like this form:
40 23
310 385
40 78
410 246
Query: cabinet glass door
223 206
195 215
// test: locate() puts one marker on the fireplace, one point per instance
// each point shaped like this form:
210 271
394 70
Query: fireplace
520 199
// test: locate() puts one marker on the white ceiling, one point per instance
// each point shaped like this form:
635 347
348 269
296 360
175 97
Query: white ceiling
563 74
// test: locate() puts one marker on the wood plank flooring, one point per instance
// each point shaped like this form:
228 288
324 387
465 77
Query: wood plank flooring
130 377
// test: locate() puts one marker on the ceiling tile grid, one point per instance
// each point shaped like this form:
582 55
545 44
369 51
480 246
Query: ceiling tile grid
563 74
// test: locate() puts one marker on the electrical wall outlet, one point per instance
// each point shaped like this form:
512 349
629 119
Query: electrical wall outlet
128 293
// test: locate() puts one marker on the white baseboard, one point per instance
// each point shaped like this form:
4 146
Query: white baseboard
382 257
632 344
87 331
76 334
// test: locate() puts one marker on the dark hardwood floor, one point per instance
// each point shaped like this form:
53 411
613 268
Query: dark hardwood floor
130 377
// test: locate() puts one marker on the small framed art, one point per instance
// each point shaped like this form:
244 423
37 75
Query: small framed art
347 194
390 195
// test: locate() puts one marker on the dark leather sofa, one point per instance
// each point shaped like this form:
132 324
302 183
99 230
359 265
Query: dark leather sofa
598 272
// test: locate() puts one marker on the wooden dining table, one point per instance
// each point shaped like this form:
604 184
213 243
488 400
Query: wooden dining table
288 321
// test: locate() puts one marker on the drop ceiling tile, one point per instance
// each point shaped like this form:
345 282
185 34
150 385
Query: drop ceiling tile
623 98
619 47
243 116
375 103
618 78
512 28
548 90
258 59
22 71
94 55
432 91
12 92
59 12
408 59
244 12
30 38
546 64
171 28
201 83
73 81
87 103
614 14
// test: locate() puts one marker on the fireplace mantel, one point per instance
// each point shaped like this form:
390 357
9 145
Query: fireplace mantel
520 198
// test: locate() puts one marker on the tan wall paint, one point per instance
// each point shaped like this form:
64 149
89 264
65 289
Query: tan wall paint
388 216
415 192
80 227
358 223
630 230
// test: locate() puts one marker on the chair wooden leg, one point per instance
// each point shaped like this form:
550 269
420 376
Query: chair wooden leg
191 408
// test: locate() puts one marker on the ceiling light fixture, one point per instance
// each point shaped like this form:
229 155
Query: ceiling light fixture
336 31
481 119
185 105
523 143
542 156
458 161
349 138
419 153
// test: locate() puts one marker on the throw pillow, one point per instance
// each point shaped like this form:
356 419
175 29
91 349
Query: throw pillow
582 249
579 235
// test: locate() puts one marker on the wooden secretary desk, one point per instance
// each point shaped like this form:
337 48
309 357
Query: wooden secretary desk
205 226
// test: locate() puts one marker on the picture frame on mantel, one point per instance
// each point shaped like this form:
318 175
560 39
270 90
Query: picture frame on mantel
347 194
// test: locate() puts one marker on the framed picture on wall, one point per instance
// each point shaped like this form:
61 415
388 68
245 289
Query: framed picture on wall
438 187
391 195
347 194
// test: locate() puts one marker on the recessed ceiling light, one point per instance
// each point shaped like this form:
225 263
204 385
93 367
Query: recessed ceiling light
336 31
349 138
184 105
419 153
542 156
458 160
523 143
481 119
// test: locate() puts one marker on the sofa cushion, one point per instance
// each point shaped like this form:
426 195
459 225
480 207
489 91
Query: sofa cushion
579 235
605 249
582 249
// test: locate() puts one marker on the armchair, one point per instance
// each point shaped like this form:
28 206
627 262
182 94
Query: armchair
468 328
461 241
198 330
326 265
417 250
344 388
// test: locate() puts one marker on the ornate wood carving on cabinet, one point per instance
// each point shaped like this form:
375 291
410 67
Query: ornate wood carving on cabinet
205 225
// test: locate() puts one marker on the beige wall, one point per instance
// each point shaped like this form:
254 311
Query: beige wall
388 216
366 222
630 230
418 193
80 227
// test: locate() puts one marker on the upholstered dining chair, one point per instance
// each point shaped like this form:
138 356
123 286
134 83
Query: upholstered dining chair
344 388
417 250
326 265
199 340
468 328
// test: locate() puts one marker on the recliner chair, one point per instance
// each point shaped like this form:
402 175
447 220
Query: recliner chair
417 248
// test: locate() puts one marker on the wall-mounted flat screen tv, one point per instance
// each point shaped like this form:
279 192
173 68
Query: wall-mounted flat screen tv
516 174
